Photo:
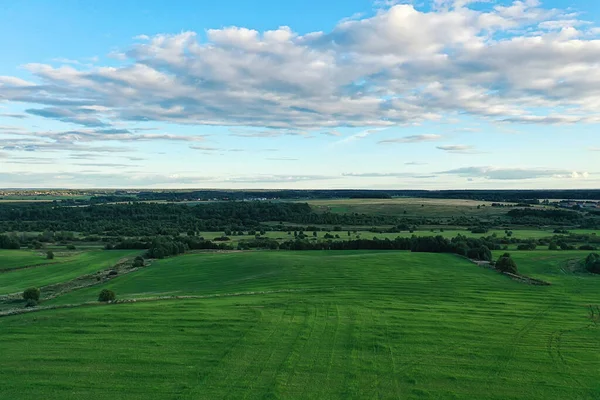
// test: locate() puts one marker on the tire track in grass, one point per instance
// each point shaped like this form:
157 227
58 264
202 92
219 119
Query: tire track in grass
235 363
321 336
392 357
203 377
555 343
332 348
291 351
279 326
266 363
517 338
295 358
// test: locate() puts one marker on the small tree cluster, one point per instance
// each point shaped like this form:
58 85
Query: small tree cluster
506 264
106 295
32 294
592 263
138 262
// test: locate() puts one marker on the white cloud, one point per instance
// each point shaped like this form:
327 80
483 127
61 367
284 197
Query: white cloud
402 65
358 136
457 148
496 173
413 139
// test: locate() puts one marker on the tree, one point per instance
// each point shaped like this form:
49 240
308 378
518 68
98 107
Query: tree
32 293
138 262
50 255
552 246
592 263
106 295
506 264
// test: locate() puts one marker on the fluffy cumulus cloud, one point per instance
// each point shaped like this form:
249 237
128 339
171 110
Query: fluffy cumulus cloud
506 62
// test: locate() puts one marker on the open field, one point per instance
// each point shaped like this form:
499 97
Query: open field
414 207
447 233
62 268
10 259
344 325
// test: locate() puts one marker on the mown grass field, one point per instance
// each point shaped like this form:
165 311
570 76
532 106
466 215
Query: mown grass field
11 259
316 325
62 268
414 207
365 234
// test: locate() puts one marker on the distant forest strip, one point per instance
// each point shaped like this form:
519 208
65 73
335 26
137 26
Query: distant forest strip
513 196
145 219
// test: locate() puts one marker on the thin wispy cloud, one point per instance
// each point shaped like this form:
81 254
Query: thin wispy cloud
413 139
358 136
457 148
497 173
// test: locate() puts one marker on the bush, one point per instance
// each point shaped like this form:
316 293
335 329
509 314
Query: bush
71 247
587 247
32 293
552 246
138 262
526 246
31 303
106 295
50 255
506 264
592 263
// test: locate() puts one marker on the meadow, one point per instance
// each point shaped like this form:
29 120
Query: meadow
410 207
315 325
44 272
11 259
366 234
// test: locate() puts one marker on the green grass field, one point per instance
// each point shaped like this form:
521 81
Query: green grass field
11 259
414 207
62 268
316 325
365 234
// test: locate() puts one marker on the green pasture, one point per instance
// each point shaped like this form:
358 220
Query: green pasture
316 325
365 234
10 259
414 207
61 268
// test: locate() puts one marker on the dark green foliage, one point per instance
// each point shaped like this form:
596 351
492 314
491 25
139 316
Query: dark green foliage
71 247
587 247
30 303
32 293
552 246
138 262
167 219
9 242
506 264
106 295
527 246
592 263
538 216
163 247
50 255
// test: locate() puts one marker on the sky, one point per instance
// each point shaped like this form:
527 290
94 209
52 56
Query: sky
423 94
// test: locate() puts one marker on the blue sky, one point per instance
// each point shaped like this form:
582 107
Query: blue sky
430 94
